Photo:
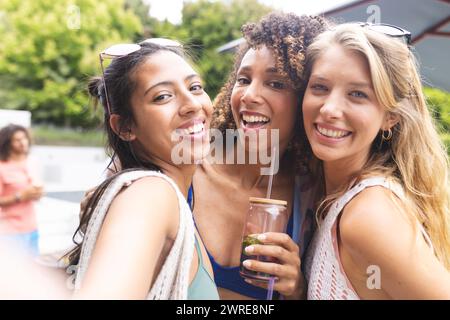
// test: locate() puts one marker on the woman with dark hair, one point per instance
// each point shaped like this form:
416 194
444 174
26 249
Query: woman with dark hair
264 92
19 188
138 237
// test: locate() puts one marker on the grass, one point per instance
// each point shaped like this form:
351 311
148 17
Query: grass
55 136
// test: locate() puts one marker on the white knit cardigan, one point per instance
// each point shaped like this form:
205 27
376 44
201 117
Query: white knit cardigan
173 280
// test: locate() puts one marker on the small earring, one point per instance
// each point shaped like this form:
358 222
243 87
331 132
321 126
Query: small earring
389 135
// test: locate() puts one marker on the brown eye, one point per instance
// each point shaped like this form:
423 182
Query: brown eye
196 87
162 97
277 84
242 81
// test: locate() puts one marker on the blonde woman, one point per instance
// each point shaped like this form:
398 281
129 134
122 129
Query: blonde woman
384 225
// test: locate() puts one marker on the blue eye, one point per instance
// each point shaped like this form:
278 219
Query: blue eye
358 94
318 87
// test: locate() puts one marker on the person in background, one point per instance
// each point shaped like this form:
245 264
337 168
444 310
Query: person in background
19 188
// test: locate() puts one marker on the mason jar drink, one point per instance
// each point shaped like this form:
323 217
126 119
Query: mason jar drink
264 215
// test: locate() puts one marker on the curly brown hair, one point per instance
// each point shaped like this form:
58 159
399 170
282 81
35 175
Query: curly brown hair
287 35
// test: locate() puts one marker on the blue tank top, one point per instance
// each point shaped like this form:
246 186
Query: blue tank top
203 286
229 277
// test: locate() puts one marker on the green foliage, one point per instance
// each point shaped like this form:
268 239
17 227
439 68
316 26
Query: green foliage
141 10
55 136
212 24
50 48
439 103
205 26
446 139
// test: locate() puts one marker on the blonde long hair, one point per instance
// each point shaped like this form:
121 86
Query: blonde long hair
415 156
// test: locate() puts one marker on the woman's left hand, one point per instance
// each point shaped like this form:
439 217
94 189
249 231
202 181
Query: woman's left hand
280 246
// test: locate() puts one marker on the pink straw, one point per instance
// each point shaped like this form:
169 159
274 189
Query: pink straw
270 288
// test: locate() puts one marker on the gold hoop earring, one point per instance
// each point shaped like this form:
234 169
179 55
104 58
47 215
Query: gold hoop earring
389 135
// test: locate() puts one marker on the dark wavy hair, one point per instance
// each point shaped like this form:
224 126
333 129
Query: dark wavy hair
120 86
6 135
287 35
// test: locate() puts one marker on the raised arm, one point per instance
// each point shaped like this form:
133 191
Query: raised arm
139 225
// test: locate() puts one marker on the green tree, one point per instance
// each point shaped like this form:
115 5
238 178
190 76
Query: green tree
205 26
149 24
439 104
50 48
212 24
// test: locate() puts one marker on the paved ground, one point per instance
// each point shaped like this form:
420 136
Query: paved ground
67 173
57 222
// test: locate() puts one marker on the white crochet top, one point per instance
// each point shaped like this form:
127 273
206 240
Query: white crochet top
173 280
324 273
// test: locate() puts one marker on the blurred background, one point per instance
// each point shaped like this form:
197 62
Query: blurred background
49 49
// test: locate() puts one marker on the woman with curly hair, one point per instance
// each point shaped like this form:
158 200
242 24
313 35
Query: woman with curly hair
264 91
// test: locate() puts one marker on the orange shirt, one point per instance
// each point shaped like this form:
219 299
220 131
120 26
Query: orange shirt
19 217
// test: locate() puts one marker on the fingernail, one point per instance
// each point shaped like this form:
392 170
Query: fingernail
246 263
262 237
249 249
248 281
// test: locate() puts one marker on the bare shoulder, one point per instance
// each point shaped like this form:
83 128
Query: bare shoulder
154 187
372 222
150 189
146 199
375 231
141 222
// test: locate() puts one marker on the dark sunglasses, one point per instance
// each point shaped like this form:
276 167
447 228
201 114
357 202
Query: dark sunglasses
124 49
388 29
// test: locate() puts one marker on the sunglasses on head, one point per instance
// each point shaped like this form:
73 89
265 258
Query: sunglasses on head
389 30
124 49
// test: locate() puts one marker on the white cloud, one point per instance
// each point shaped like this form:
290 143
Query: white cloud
304 6
171 9
166 9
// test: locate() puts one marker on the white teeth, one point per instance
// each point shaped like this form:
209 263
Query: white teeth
196 128
248 118
331 133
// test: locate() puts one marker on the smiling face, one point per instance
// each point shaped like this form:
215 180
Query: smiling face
342 115
169 97
262 98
